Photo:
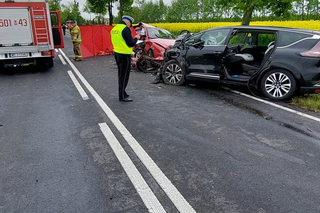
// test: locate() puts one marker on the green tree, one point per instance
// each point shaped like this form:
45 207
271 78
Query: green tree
87 8
101 7
71 11
279 8
148 12
314 9
54 5
306 9
162 11
75 11
136 14
124 6
184 11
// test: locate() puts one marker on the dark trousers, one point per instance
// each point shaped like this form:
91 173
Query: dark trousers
124 64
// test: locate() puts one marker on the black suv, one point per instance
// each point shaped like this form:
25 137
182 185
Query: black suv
278 62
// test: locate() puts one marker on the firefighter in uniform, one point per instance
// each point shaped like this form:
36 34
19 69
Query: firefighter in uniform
123 42
76 40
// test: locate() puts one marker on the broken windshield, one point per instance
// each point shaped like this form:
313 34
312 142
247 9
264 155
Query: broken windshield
154 32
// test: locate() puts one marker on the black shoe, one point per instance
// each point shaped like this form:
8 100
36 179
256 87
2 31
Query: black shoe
126 100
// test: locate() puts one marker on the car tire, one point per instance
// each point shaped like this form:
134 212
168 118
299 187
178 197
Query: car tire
278 85
173 73
150 53
142 65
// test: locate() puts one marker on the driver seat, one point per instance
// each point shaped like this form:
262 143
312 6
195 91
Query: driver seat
250 69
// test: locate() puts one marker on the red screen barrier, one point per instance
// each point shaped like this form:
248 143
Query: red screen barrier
96 40
86 45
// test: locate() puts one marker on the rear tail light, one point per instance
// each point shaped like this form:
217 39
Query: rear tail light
46 53
314 52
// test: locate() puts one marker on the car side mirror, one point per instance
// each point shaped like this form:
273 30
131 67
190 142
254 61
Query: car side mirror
198 43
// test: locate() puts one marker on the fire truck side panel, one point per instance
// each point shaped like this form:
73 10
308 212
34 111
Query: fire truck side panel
25 33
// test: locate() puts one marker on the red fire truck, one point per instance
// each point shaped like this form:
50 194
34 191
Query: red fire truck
29 32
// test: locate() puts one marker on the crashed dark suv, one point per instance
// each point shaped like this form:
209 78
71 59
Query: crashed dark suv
273 61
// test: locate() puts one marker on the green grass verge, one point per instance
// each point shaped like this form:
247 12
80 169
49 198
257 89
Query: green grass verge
309 102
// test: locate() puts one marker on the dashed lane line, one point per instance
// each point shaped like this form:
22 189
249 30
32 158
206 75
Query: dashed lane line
56 50
171 191
62 60
78 86
149 199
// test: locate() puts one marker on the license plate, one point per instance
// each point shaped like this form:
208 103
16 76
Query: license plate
14 55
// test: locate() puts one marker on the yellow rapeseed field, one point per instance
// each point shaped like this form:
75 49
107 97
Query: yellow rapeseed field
175 28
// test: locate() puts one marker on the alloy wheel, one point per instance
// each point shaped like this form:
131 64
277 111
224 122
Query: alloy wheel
173 73
278 85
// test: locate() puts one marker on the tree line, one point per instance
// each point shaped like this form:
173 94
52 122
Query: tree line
193 10
69 11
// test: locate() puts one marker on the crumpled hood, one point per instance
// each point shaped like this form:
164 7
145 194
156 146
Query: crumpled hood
163 42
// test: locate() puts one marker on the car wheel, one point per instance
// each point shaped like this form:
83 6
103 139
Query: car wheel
150 53
173 73
278 85
142 65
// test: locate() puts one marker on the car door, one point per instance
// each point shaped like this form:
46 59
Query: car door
56 29
204 60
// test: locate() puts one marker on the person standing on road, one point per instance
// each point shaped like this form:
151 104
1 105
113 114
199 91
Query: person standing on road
123 42
75 34
64 29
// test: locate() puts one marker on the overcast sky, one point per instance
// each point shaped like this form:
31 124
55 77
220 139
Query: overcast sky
115 11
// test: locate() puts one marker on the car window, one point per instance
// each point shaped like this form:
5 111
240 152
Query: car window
287 38
54 19
192 38
159 33
141 31
264 39
238 38
243 39
251 39
215 37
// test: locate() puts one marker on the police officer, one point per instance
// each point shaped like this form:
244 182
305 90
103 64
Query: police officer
76 40
123 42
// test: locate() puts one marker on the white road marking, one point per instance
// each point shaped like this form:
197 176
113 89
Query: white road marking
62 60
56 50
274 105
172 192
78 86
149 199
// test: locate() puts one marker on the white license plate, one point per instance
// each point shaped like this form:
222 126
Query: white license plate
14 55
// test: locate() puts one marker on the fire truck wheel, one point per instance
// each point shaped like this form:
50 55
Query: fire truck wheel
50 62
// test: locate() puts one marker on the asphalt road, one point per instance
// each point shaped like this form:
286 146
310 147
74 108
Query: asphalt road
223 152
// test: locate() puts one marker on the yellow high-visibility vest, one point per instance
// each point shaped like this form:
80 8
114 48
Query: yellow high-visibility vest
119 44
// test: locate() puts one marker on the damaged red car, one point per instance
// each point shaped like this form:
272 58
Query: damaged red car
154 42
